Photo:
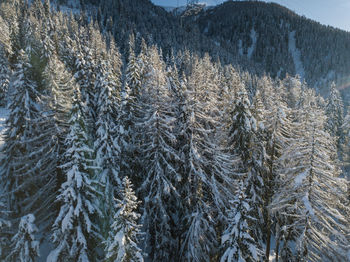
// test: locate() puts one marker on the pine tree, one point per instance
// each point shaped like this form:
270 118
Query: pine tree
238 243
106 147
131 95
242 129
24 246
122 244
4 230
158 154
30 152
4 77
311 193
335 115
278 130
74 231
59 85
245 140
85 75
207 168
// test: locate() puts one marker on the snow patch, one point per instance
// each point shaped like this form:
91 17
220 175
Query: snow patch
4 113
240 48
296 55
254 37
307 205
299 179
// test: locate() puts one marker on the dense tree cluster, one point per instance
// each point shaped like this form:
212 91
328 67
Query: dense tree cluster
144 156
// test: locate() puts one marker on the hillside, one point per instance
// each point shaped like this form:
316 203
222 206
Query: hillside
129 133
263 38
263 32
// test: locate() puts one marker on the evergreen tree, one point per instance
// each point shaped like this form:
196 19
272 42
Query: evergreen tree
123 238
238 243
24 246
4 77
207 168
74 232
131 95
85 75
30 152
59 85
4 230
311 193
335 115
158 154
278 128
245 139
106 148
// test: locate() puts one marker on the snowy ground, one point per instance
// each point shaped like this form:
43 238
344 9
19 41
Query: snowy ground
295 52
3 116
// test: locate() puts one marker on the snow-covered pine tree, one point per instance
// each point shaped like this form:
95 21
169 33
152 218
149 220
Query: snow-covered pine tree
238 243
207 168
4 76
278 130
131 95
106 147
4 230
25 248
346 146
59 85
244 142
156 131
242 129
335 115
122 244
30 152
311 194
85 75
75 232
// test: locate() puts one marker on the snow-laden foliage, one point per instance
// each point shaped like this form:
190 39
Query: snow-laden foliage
335 115
239 245
25 247
74 230
122 243
4 76
106 145
4 230
159 155
207 168
311 195
199 137
30 149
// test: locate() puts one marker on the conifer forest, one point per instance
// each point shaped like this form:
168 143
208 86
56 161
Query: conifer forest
129 133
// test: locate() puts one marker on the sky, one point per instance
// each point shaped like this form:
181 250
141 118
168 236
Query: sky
329 12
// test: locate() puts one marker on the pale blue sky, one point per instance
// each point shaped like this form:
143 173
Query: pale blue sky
329 12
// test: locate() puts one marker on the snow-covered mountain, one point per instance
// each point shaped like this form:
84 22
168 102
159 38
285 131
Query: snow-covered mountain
260 37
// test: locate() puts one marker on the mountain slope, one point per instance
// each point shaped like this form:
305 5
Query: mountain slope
324 51
259 37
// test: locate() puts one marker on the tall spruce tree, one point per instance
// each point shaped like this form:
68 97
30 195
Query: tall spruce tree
122 244
158 154
311 193
207 168
75 232
25 248
106 147
238 243
4 76
335 115
30 152
5 226
243 142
